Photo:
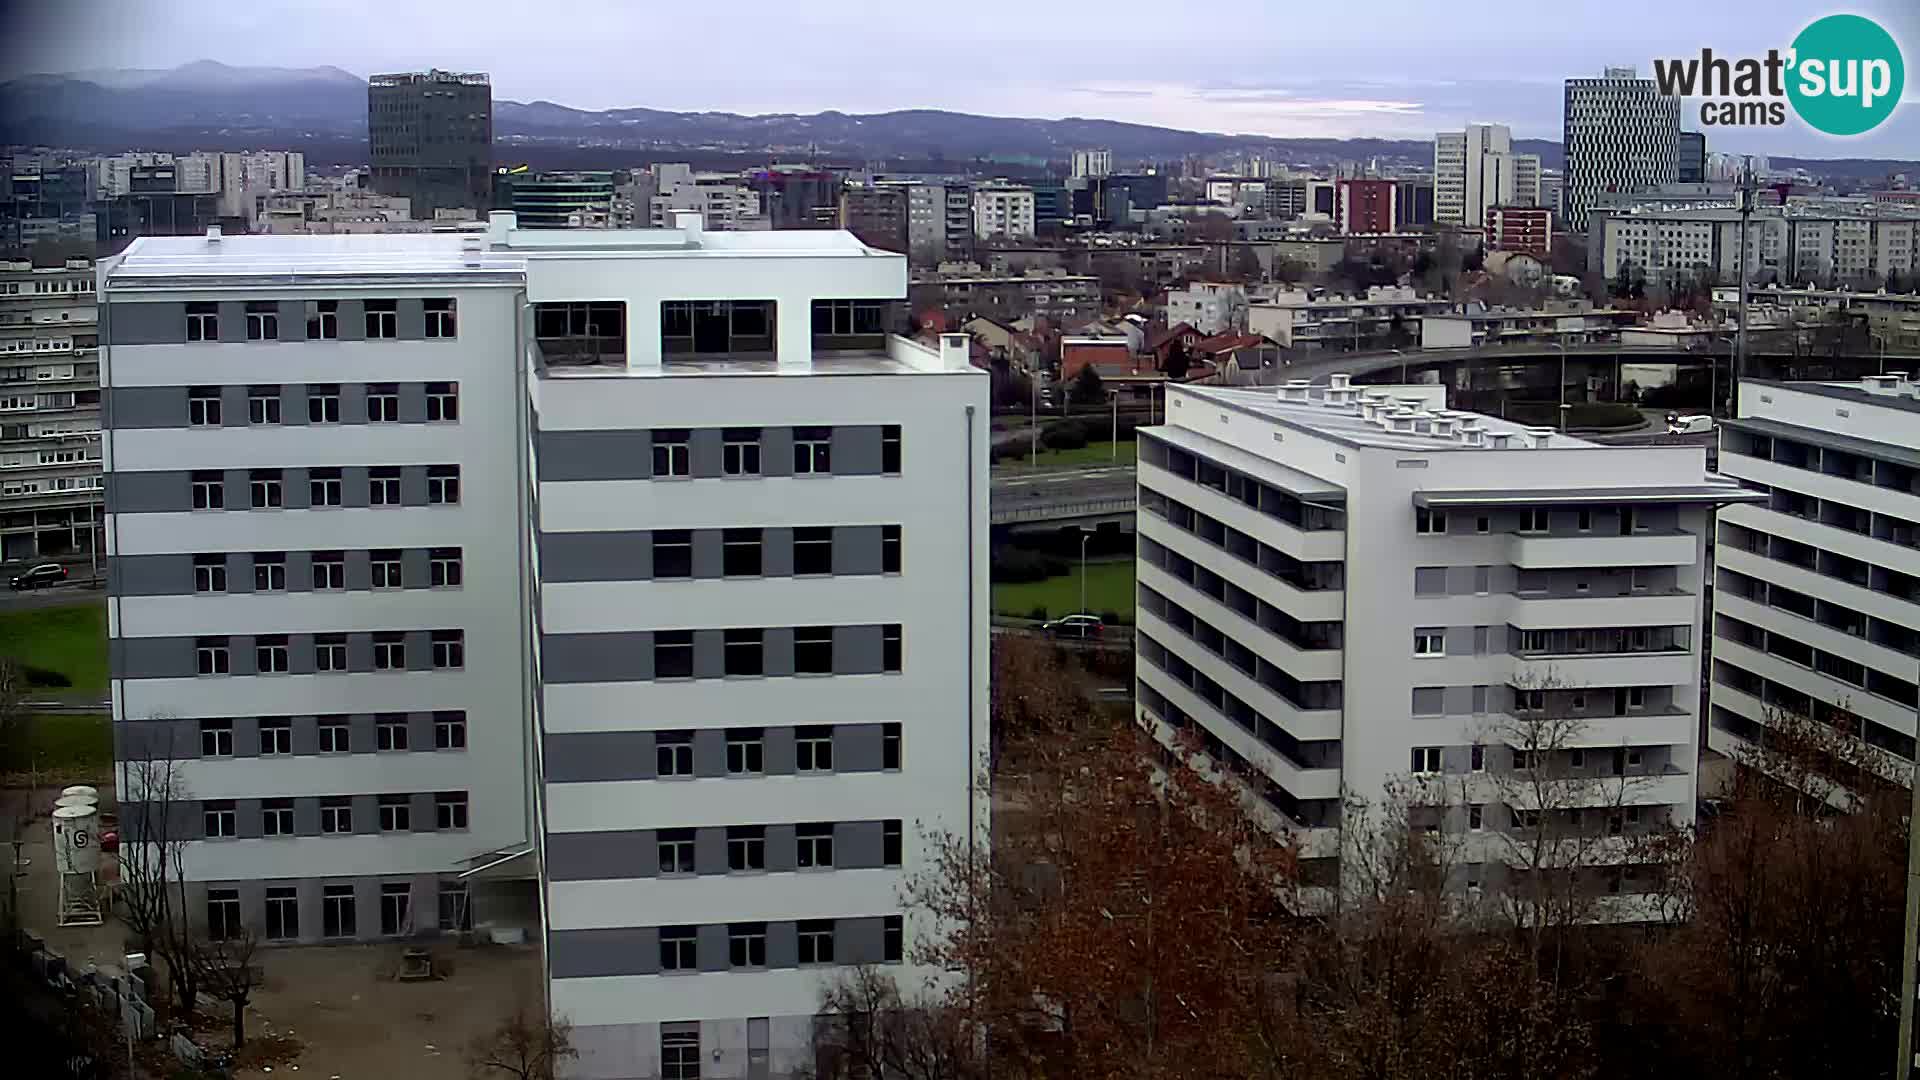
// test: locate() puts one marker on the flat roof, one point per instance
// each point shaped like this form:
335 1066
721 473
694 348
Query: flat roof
1899 455
1347 427
1847 391
1718 491
1308 487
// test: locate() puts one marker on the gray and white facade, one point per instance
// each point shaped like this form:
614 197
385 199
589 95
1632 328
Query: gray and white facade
721 602
1339 591
1817 591
1620 134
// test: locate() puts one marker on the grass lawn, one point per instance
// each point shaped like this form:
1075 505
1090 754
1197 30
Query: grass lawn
1097 453
71 640
71 743
1109 588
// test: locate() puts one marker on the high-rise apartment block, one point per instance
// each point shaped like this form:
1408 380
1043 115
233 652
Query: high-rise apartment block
1092 162
1817 595
607 584
1477 169
1002 211
49 411
430 137
1339 590
1621 134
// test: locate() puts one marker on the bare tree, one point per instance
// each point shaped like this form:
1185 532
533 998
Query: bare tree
155 808
865 1028
225 963
527 1044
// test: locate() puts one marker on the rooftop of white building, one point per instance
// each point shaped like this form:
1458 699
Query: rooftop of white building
1890 391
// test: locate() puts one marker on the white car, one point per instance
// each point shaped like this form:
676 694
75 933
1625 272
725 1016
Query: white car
1688 423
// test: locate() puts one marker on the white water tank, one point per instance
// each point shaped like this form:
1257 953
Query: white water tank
76 800
81 789
76 843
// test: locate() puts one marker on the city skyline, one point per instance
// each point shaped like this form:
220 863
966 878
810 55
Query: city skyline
1302 79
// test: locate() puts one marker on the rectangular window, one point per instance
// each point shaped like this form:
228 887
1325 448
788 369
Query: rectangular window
450 810
335 737
209 573
1475 817
746 848
1482 524
385 566
264 489
440 318
745 751
263 405
325 487
283 913
815 840
1426 759
816 941
1429 522
336 911
673 654
740 452
813 650
329 570
210 656
443 402
443 485
673 753
671 455
892 842
443 568
813 749
893 939
889 549
1636 697
813 550
675 851
269 571
1429 643
276 817
276 735
219 818
383 486
1533 521
678 948
203 322
223 913
396 813
672 554
263 320
747 945
449 649
323 320
216 738
396 907
336 815
449 730
890 449
889 746
812 450
1585 523
680 1054
740 552
323 403
383 319
390 731
383 403
455 908
745 654
209 491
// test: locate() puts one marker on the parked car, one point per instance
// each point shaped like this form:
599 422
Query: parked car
1683 424
1075 626
35 577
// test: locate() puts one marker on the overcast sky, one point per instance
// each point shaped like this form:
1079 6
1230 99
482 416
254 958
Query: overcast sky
1392 68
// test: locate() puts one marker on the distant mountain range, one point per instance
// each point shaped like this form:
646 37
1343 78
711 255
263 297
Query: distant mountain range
211 105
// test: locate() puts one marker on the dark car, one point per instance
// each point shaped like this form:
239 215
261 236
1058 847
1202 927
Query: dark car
35 577
1075 626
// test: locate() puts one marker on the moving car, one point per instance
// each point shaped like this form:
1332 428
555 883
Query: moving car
1075 626
34 577
1688 424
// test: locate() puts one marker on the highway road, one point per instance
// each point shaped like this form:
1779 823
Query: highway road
1016 492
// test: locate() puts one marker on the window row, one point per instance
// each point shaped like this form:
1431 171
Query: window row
814 650
1301 754
1777 698
279 917
1544 521
742 450
746 751
814 944
332 815
785 750
756 552
1242 488
1825 562
327 571
375 403
1301 694
1306 813
262 320
1893 687
1542 764
379 650
276 489
746 849
1311 576
1306 635
1834 616
271 736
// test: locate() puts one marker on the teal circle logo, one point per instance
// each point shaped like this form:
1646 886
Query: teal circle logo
1847 75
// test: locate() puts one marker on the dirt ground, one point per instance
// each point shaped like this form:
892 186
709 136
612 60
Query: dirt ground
356 1023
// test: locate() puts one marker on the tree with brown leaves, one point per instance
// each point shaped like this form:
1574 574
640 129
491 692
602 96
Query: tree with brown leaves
527 1044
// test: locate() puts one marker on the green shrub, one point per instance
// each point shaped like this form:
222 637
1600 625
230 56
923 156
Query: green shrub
1064 436
42 678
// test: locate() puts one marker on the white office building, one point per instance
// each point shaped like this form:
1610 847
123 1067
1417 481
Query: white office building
1002 211
1817 593
1340 589
1476 169
627 587
49 411
1621 135
1089 163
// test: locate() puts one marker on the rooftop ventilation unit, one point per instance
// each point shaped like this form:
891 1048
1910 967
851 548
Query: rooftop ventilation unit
213 234
1295 390
1499 440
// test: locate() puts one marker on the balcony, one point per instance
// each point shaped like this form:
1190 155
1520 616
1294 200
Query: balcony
1674 668
1653 727
1541 552
1535 612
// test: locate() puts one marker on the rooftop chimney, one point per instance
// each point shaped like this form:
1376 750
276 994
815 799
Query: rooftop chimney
691 222
1882 384
1473 436
1339 380
1295 390
1442 426
213 234
1540 437
1499 440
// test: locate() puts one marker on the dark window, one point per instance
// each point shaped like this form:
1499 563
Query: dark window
673 654
815 840
672 455
890 448
219 818
323 403
203 322
744 652
396 813
443 485
449 649
203 406
283 913
323 320
443 402
263 320
223 913
383 319
209 573
747 945
216 738
396 908
390 731
276 735
673 753
209 491
385 565
336 816
812 450
813 749
890 647
383 486
672 554
263 405
210 656
675 851
325 487
892 842
746 847
740 452
276 817
889 549
336 911
679 1055
329 570
813 650
745 749
449 731
440 318
889 746
383 403
269 571
264 489
443 567
816 941
740 555
335 735
893 939
450 810
813 550
679 948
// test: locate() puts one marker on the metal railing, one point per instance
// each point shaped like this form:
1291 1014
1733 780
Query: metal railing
1060 510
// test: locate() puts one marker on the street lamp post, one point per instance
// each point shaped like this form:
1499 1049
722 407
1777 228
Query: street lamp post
1033 425
1113 443
1562 343
1086 534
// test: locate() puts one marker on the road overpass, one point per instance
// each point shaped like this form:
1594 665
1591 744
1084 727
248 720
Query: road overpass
1104 495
